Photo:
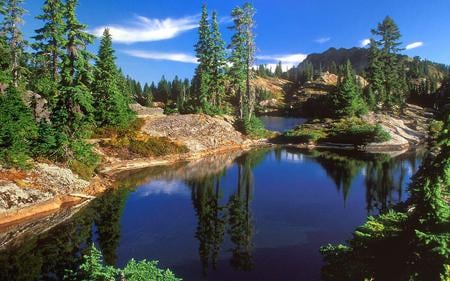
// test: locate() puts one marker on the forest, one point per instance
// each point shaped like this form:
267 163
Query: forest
56 96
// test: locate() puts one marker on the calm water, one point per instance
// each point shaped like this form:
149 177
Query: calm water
257 216
281 124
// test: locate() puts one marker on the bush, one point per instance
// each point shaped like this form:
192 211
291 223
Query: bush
93 269
253 127
17 130
356 131
84 161
305 135
156 146
109 132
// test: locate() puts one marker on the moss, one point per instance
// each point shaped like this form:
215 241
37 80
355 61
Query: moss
305 134
131 147
85 171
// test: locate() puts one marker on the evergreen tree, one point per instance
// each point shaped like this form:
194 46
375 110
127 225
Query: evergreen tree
242 58
203 73
376 74
73 112
10 27
50 39
388 46
111 104
279 70
347 100
218 61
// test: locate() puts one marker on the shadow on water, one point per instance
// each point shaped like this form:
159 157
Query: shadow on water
261 215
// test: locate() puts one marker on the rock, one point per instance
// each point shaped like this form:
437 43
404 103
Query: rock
145 111
198 132
39 104
14 197
58 180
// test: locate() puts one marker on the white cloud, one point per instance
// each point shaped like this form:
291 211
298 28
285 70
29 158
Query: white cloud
287 61
414 45
364 43
322 40
178 57
162 187
144 29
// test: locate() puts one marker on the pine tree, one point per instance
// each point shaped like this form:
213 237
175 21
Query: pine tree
242 58
111 104
10 27
73 112
218 61
203 73
388 46
278 70
50 38
347 100
376 74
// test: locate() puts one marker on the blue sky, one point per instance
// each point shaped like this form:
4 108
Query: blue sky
155 38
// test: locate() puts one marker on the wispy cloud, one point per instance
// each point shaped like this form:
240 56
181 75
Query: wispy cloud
363 43
414 45
143 29
151 55
322 40
288 60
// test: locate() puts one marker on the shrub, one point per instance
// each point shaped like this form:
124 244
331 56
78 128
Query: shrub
93 269
84 161
436 126
356 131
17 130
253 127
108 132
156 146
305 135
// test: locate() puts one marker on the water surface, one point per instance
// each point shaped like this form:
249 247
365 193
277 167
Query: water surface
281 124
262 215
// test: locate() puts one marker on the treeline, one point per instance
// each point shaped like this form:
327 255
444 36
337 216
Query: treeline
391 79
173 94
53 92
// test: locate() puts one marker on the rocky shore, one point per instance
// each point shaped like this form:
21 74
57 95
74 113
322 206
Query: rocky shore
47 187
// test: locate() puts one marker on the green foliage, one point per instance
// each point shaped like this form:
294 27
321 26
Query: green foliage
93 269
347 99
355 131
84 161
385 72
111 104
304 135
156 147
417 234
253 128
17 130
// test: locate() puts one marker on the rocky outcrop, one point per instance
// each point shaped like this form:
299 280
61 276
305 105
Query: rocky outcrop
408 129
41 189
143 111
198 132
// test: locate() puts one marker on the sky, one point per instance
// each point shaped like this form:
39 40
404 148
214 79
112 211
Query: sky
154 38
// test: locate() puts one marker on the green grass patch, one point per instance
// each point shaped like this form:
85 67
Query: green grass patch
253 128
345 131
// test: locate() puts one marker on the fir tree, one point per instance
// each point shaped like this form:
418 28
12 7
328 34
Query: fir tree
347 100
203 73
10 27
242 58
50 39
388 47
376 74
111 104
278 70
218 61
73 112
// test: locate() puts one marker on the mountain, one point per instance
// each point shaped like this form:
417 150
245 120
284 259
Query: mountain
359 58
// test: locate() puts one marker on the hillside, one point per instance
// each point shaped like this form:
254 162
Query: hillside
359 60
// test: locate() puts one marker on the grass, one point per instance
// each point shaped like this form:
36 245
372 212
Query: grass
347 131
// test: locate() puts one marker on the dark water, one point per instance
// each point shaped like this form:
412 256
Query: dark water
257 216
281 124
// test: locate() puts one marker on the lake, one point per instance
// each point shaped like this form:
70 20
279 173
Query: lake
259 215
281 124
